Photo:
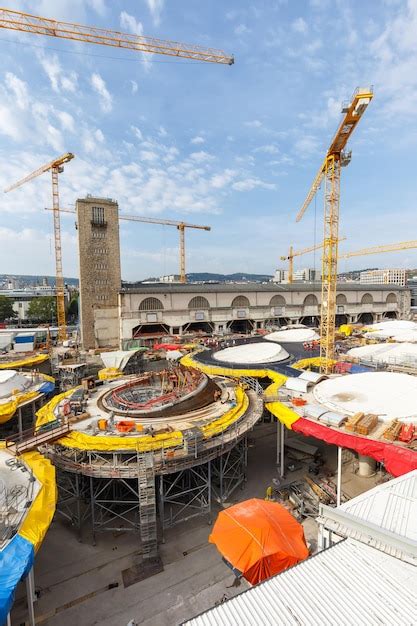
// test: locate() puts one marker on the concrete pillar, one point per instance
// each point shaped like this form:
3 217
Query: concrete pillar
31 597
339 476
282 442
367 466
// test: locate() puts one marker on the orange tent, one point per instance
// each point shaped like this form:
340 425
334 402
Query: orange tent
259 539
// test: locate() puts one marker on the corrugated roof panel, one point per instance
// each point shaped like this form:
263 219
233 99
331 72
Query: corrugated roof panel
391 506
349 583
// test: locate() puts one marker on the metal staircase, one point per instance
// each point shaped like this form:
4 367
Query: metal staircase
147 505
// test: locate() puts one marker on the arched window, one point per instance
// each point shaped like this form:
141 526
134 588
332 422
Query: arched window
341 299
367 299
240 301
199 302
392 298
310 300
151 304
277 301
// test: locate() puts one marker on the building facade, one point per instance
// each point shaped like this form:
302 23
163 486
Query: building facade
100 278
384 277
153 310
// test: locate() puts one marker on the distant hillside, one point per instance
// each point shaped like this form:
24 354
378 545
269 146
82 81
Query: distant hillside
354 274
204 277
33 279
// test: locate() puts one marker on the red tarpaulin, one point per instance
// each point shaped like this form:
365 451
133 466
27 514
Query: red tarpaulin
396 459
166 346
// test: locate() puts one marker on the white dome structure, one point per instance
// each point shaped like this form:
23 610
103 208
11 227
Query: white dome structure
398 330
388 395
387 353
257 352
293 335
10 380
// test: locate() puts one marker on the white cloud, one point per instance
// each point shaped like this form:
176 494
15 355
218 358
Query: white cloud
306 146
253 124
99 86
58 78
162 132
148 155
197 140
9 125
218 181
299 26
67 121
201 157
248 184
131 23
156 7
242 29
137 132
267 149
19 89
134 86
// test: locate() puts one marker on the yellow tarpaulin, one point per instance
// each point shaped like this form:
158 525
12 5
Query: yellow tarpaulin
42 509
315 361
108 373
46 413
27 362
8 409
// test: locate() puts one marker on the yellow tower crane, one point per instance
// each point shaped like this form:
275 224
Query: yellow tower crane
181 226
390 247
292 254
330 170
55 167
27 23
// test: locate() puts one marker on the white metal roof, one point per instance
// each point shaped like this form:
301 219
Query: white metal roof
350 583
384 517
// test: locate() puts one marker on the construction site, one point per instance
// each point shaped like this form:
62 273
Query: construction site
206 452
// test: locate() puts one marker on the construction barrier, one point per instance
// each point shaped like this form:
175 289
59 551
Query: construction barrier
26 362
16 559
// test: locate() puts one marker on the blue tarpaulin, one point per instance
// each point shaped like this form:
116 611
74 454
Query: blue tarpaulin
47 387
16 560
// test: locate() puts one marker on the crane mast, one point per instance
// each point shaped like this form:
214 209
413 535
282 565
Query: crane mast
330 171
56 167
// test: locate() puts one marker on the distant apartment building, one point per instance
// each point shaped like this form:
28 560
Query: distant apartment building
384 277
23 297
99 258
306 275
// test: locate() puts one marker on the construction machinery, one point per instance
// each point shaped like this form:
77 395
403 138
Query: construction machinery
390 247
330 170
24 22
55 167
292 254
181 226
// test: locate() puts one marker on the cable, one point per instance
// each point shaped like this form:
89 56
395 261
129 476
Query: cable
100 56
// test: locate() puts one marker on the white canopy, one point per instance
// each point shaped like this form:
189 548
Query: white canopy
256 352
293 335
117 358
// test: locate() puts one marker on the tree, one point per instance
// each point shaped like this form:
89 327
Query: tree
6 308
43 309
72 311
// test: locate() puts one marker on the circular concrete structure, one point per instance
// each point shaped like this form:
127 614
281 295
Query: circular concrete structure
258 352
293 335
398 330
388 395
387 353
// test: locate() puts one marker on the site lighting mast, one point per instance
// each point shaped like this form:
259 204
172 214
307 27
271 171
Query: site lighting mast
330 171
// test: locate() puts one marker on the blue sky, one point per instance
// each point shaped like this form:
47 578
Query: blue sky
234 147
